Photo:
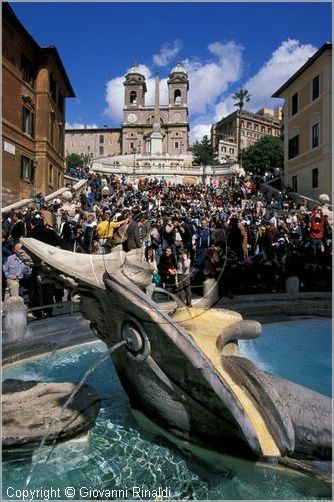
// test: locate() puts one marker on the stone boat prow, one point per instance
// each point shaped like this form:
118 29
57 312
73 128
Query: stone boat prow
183 372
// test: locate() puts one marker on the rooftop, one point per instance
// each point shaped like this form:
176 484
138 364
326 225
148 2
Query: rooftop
327 46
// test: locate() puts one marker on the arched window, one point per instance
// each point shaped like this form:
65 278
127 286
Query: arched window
177 96
133 98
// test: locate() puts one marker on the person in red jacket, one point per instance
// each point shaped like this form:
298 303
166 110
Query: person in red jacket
316 231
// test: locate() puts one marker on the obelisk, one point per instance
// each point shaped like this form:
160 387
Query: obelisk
156 135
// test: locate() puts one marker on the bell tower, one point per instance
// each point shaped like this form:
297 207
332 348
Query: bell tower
134 89
178 86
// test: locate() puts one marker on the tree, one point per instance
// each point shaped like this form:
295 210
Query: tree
241 97
74 160
203 152
266 154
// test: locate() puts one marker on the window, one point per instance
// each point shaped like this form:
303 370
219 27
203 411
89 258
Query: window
50 174
223 148
101 150
269 130
294 104
315 179
53 88
27 121
132 145
176 144
249 125
315 87
101 138
293 147
26 168
177 96
263 129
133 98
315 135
231 150
27 70
294 184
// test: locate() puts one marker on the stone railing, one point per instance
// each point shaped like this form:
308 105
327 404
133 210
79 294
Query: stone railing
296 197
48 198
164 170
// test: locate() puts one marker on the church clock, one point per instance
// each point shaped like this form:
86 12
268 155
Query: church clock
132 117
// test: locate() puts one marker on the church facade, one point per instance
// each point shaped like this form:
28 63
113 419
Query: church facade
139 119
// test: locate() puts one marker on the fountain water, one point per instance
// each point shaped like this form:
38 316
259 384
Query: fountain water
199 391
88 372
120 453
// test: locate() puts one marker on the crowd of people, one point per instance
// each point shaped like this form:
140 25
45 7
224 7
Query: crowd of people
247 241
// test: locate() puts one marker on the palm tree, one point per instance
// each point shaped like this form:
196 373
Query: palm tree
241 97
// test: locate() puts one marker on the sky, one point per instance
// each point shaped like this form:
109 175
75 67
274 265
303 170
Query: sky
224 46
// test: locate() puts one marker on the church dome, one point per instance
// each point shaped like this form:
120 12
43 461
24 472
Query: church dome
134 70
179 68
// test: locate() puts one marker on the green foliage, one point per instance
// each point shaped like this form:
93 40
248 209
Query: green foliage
241 96
74 160
203 152
266 154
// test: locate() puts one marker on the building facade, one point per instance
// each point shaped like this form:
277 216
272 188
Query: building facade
308 126
227 151
253 127
93 142
34 89
138 118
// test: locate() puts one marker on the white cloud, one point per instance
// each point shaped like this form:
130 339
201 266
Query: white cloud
283 63
115 98
198 131
79 125
167 53
208 80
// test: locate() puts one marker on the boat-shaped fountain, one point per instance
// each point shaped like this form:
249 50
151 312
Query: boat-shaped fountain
182 369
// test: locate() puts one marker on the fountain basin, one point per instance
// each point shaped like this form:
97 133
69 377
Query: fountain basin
32 410
121 453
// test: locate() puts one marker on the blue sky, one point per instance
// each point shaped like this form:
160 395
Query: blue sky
223 46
